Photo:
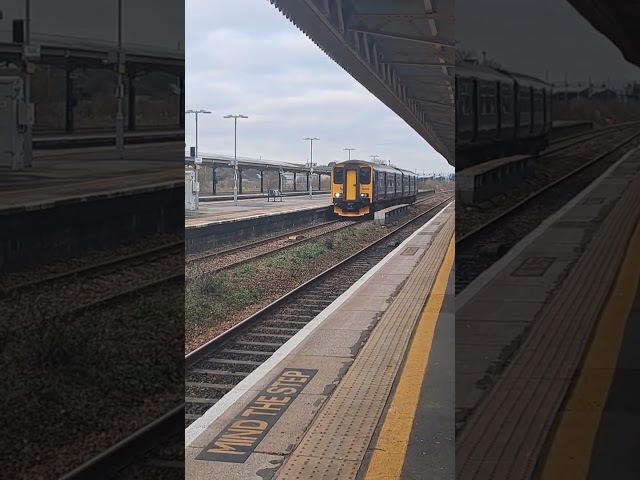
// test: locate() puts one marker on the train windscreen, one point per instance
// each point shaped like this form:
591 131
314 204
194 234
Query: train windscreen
338 175
365 175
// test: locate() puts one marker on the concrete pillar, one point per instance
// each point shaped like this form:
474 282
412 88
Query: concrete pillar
295 182
132 102
261 181
69 101
239 181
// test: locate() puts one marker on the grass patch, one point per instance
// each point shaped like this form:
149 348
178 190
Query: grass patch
209 298
75 373
298 256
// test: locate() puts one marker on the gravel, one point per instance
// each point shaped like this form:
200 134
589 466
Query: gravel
92 257
215 263
74 386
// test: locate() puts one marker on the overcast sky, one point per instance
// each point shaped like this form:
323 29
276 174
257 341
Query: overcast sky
533 36
245 57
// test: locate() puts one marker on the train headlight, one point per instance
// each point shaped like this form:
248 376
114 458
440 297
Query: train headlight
364 195
338 195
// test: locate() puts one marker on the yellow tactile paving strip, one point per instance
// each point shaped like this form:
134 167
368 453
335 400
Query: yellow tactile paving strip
569 457
504 437
337 441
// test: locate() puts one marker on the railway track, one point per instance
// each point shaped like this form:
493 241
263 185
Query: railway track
226 261
485 244
232 257
216 367
81 289
97 268
155 451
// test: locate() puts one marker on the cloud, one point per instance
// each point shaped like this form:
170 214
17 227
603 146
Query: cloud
245 57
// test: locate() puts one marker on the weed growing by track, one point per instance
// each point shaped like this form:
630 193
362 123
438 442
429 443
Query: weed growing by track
95 376
214 302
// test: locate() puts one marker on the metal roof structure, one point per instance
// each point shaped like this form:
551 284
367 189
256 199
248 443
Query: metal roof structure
402 51
617 20
246 162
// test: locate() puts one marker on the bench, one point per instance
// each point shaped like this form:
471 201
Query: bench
383 217
275 194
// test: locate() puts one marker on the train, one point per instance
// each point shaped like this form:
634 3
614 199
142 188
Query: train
499 114
360 188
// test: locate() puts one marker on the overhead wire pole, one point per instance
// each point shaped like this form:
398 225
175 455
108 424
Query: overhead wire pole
311 165
349 150
28 140
235 155
120 91
374 157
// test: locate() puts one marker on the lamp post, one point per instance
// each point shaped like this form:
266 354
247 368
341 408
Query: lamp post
235 155
349 150
196 113
195 166
120 90
311 139
28 146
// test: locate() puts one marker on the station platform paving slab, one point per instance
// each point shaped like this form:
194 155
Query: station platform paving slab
596 434
211 213
348 359
523 326
64 175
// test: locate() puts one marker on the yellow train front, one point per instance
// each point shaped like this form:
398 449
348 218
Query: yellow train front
360 188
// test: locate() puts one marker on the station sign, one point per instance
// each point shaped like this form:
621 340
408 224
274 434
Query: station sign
237 441
198 160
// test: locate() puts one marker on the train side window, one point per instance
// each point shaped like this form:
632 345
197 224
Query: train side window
505 95
465 99
338 175
381 180
365 175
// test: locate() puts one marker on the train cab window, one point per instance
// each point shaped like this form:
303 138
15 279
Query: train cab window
338 175
365 175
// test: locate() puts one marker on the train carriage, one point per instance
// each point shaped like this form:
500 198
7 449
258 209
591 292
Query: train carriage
499 113
360 188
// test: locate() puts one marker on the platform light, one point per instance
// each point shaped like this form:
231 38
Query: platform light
311 139
195 151
235 155
349 150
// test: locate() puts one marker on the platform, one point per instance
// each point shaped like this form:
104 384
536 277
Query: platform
257 195
344 390
523 326
79 173
596 432
225 211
